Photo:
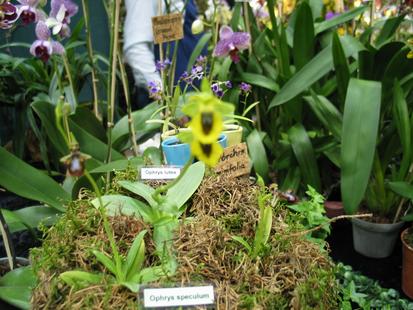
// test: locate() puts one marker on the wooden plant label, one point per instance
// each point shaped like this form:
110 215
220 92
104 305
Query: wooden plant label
167 28
178 296
160 173
234 161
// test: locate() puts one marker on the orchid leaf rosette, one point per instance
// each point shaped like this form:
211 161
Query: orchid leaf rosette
207 113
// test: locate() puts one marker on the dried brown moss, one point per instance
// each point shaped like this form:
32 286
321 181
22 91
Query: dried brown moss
291 274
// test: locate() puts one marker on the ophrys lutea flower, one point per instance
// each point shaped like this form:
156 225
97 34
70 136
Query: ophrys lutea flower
207 113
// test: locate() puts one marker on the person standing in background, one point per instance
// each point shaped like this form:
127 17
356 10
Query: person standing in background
139 50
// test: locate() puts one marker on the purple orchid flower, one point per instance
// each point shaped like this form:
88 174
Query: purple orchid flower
155 90
8 15
44 46
231 42
245 87
28 12
330 15
60 14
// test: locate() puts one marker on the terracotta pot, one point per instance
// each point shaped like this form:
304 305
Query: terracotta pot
407 271
333 208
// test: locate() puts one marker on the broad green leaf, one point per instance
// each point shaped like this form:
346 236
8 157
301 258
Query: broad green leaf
389 29
303 41
118 165
150 274
136 256
16 287
257 154
304 152
85 118
319 66
80 279
327 114
236 16
153 156
91 145
359 134
259 80
263 230
178 194
26 181
140 189
341 67
402 122
119 204
203 41
120 133
339 19
403 189
105 261
30 217
45 111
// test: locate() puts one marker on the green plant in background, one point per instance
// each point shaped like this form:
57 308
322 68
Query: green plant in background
366 293
312 214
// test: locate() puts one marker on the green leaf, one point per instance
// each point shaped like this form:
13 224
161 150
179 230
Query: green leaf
120 133
304 152
341 67
105 261
389 29
85 118
202 42
402 121
136 256
30 217
119 204
303 41
319 66
326 113
339 19
257 154
359 134
16 287
243 242
259 80
263 230
46 113
140 189
179 193
119 165
26 181
80 279
153 155
403 189
91 145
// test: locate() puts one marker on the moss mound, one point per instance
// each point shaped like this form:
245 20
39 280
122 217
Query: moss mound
292 272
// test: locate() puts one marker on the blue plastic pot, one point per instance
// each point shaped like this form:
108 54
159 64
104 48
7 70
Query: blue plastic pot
177 153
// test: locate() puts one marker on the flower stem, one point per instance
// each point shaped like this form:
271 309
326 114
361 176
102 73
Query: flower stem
164 188
131 126
112 81
91 62
69 76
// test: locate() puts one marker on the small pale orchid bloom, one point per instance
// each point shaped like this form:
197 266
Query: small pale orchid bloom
28 12
44 46
231 43
8 15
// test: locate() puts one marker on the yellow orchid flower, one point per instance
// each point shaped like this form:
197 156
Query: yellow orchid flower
208 153
207 125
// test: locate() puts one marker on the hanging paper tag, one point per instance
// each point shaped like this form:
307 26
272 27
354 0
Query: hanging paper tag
159 173
234 161
178 296
167 28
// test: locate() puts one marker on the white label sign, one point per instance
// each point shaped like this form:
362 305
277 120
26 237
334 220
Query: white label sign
178 296
160 173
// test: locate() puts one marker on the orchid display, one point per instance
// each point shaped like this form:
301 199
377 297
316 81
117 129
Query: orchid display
44 46
231 43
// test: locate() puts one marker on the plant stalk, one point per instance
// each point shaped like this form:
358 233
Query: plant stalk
112 81
69 76
90 53
125 84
